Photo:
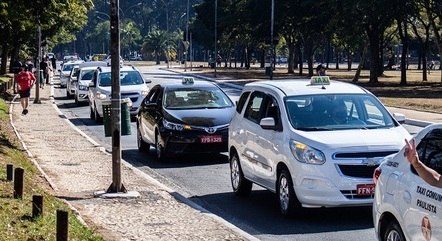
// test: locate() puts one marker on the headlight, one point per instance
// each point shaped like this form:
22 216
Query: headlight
306 154
100 96
144 92
172 126
82 87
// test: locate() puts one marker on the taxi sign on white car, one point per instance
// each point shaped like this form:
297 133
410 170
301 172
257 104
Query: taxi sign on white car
405 207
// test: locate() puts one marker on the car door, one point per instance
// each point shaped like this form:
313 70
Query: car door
150 114
268 142
92 90
423 216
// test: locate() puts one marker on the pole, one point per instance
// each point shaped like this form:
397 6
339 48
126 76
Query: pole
186 39
37 65
116 185
272 57
216 51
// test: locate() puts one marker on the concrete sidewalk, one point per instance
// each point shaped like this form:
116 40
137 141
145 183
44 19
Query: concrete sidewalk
76 167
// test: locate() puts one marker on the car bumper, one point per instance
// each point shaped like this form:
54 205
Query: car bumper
180 142
313 191
82 95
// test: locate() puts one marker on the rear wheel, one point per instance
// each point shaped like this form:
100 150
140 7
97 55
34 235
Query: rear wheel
393 232
288 202
142 145
241 186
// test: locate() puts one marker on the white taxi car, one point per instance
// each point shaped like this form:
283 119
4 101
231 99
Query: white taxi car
65 71
313 142
132 86
405 207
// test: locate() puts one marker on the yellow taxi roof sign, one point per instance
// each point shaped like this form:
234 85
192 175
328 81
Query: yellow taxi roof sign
320 80
188 80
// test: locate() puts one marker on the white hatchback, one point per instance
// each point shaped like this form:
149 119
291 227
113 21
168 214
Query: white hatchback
313 142
405 207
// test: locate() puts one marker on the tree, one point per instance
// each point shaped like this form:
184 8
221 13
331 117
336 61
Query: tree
159 43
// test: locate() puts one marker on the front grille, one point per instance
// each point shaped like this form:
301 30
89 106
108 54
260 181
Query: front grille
362 155
352 194
132 96
361 171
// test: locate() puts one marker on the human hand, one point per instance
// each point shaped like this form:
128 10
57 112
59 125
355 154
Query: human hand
410 152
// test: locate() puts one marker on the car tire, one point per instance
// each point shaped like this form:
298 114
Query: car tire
159 148
91 113
287 200
68 94
240 185
76 100
141 144
393 232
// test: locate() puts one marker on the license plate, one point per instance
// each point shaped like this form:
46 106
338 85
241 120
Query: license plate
211 139
365 189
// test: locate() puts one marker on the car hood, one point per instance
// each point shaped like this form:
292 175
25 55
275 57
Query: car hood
367 140
84 82
200 117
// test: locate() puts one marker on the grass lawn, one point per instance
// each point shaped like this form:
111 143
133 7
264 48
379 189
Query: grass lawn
16 222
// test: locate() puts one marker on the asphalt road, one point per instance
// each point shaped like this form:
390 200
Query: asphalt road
206 181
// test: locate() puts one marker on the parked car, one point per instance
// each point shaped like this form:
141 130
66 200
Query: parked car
80 85
132 86
314 142
70 84
65 71
184 117
405 207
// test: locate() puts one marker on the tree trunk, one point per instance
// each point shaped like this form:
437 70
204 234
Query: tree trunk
300 59
291 58
373 38
403 34
361 64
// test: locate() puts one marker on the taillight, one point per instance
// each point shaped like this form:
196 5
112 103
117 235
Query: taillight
377 172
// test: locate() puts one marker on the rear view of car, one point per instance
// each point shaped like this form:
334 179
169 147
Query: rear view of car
405 207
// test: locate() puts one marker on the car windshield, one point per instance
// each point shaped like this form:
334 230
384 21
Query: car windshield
126 78
68 67
87 74
196 98
337 112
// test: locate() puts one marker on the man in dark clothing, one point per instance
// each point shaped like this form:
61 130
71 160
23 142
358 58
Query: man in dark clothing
45 76
54 63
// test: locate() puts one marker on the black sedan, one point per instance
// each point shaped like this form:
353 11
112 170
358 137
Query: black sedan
184 117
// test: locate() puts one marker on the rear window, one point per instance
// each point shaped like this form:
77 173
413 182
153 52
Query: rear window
87 74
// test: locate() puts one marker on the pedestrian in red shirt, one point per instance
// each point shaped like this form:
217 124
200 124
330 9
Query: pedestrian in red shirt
25 81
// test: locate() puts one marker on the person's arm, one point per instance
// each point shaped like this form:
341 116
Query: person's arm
429 175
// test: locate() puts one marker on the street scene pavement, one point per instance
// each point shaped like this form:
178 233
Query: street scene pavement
76 167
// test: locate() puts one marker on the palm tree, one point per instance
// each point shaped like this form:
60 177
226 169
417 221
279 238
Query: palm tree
160 42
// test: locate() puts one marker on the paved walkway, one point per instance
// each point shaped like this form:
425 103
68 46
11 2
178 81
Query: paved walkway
76 167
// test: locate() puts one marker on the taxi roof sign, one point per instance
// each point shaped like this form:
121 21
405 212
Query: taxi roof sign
188 80
320 80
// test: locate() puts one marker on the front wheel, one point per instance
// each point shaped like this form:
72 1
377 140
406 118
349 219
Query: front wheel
288 202
241 186
160 149
393 232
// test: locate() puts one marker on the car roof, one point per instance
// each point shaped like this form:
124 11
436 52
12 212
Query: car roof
93 64
179 84
304 87
122 68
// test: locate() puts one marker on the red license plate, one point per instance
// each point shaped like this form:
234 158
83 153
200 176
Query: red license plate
211 139
365 189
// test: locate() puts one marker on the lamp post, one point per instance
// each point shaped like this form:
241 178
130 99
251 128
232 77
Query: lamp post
216 51
272 58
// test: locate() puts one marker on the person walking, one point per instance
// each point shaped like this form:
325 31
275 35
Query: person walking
44 77
25 81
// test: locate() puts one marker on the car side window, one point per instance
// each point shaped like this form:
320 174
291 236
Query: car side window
430 150
242 101
271 109
252 112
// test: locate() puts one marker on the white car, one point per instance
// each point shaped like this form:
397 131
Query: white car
405 207
65 71
132 86
83 77
313 142
70 84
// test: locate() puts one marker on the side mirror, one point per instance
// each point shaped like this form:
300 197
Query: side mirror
399 117
91 84
267 123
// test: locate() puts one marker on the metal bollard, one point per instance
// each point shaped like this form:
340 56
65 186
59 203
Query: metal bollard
37 206
62 225
9 172
18 182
